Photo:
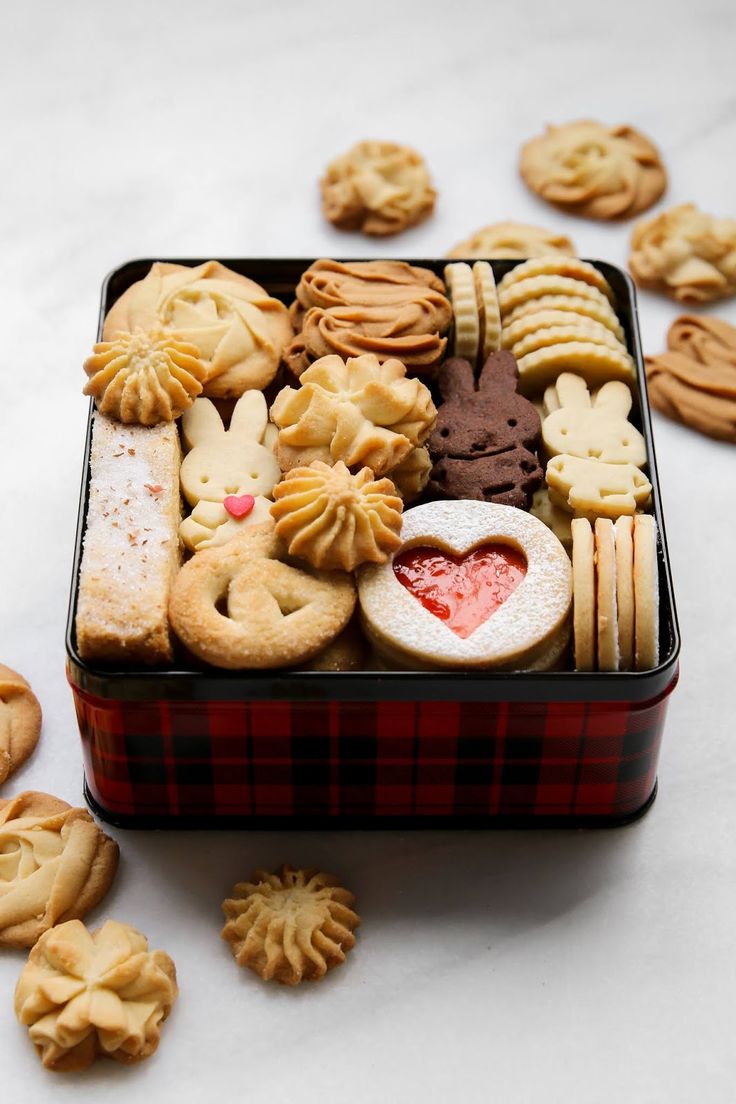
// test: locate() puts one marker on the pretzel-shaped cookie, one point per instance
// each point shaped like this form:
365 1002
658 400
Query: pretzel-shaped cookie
273 615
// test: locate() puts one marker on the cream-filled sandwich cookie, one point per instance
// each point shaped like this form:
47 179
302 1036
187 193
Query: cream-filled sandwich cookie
474 584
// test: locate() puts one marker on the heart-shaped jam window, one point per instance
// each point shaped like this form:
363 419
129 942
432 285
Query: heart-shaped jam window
462 591
239 506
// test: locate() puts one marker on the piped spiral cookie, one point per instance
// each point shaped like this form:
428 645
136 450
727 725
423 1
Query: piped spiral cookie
380 188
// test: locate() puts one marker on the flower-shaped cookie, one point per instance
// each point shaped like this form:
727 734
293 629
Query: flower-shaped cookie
593 170
411 476
686 254
377 187
336 520
238 327
20 722
513 239
292 925
359 411
84 995
55 865
144 378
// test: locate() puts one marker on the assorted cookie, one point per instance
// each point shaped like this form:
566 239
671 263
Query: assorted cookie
20 722
686 254
380 188
290 925
84 995
694 381
594 171
616 594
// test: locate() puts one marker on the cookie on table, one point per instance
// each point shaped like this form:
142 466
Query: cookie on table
84 995
290 925
686 254
380 188
593 170
20 722
513 239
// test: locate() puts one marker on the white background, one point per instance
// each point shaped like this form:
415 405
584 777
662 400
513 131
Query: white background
540 967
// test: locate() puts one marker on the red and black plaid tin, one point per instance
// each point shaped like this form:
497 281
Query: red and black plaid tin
220 748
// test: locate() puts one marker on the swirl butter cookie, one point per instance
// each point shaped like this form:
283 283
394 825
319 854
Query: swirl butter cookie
473 585
380 188
20 722
512 239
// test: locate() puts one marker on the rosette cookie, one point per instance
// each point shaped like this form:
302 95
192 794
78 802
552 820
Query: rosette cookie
387 308
144 378
87 994
593 170
360 411
686 254
240 330
377 187
290 926
20 721
513 239
55 865
337 520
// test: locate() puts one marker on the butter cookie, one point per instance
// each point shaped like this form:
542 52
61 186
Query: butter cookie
512 239
686 254
380 188
20 722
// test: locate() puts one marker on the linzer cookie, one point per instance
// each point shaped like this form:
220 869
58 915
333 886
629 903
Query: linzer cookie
473 585
484 440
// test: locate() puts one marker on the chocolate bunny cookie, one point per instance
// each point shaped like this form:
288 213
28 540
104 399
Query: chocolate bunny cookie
484 443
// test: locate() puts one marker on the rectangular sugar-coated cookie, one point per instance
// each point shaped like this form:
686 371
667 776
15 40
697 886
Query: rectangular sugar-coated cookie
131 544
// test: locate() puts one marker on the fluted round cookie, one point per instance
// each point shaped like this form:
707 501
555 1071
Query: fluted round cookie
55 865
20 721
528 617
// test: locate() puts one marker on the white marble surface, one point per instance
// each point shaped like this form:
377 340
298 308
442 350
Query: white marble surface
547 967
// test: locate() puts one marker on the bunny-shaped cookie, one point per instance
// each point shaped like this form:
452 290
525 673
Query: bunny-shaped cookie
596 427
227 474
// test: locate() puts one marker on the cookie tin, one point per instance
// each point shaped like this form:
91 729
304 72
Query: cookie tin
210 748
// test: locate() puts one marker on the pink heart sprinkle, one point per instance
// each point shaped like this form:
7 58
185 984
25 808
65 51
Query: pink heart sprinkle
239 506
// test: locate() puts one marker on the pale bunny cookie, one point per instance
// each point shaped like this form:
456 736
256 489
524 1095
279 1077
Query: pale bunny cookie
686 254
336 520
227 476
513 239
55 865
237 606
84 995
593 170
290 925
360 411
144 378
20 722
240 330
380 188
597 426
646 593
591 488
474 585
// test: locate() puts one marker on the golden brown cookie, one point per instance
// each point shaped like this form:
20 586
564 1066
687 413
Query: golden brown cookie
20 722
512 239
593 170
624 529
685 254
646 593
144 378
598 310
569 267
606 611
360 411
349 651
55 865
380 188
84 995
597 364
584 594
239 329
466 324
336 520
290 926
238 606
411 476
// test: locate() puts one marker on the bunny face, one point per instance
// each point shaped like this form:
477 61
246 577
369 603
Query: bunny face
596 428
228 462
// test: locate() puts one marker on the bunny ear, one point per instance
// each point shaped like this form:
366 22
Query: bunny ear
572 391
456 379
201 424
614 396
499 371
250 417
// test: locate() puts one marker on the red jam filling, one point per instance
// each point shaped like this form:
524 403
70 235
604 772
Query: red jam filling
462 591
